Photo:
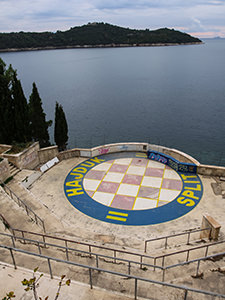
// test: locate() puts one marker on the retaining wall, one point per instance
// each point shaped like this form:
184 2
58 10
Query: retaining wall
211 170
33 156
144 147
48 153
4 170
4 148
27 159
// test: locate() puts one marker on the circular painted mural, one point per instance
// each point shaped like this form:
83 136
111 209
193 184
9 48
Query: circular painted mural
129 189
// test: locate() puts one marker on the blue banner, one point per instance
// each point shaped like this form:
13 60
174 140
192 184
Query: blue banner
172 162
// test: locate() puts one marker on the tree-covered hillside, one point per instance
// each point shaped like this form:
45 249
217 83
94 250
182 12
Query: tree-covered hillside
93 34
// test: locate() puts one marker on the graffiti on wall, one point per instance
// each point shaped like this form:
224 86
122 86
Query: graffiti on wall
30 158
103 150
172 162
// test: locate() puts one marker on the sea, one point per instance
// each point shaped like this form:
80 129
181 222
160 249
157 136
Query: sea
172 96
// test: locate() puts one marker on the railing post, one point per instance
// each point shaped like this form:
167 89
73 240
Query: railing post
36 219
163 261
50 269
39 248
23 237
114 256
206 252
13 242
89 250
43 225
163 276
187 258
96 260
67 254
154 262
198 268
135 289
166 244
188 240
129 267
145 246
185 294
13 259
44 240
13 231
141 257
90 278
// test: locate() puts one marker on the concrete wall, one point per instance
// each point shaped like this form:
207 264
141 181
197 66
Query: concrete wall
28 159
211 170
143 147
4 170
121 147
46 154
4 148
33 156
69 154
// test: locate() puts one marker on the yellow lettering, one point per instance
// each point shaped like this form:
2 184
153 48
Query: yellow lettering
198 188
77 176
74 192
188 176
190 194
191 181
88 164
186 201
80 169
97 160
74 183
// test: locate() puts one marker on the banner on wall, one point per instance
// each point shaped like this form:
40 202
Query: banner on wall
172 162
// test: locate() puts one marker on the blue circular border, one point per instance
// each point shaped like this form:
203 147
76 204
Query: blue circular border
187 200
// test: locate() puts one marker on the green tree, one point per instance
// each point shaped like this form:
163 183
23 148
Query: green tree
20 111
6 104
38 124
61 128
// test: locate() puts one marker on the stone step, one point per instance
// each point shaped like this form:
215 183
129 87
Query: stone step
182 276
48 286
13 169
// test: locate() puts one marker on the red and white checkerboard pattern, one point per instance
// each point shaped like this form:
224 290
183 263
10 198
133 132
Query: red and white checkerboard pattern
132 183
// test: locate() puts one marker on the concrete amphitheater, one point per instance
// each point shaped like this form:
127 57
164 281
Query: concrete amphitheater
122 221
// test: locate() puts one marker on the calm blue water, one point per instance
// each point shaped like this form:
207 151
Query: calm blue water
173 96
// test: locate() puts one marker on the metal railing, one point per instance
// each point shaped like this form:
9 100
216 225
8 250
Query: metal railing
5 222
67 250
22 204
198 260
91 269
140 257
163 256
174 235
114 259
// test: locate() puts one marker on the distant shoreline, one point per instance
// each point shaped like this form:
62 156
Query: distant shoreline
99 46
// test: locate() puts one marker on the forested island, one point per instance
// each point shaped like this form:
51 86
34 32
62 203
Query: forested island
94 35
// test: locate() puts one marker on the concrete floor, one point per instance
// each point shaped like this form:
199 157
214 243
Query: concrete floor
46 196
49 190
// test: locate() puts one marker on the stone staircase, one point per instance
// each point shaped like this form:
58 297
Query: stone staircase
212 272
13 169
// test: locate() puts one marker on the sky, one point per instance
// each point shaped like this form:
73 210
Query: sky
200 18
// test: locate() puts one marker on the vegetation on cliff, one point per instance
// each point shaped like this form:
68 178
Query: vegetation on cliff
93 34
22 122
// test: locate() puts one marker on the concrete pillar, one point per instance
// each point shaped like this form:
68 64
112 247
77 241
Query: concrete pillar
210 222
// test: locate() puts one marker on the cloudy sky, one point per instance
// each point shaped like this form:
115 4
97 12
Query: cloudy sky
201 18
